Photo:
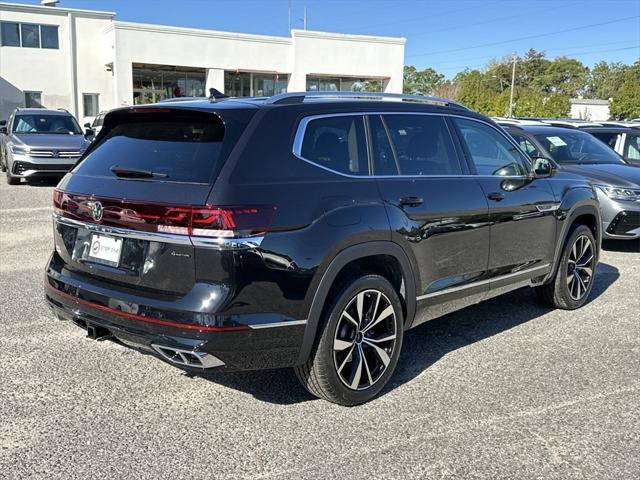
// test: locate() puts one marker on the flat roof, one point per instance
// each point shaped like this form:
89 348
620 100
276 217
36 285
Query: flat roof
54 10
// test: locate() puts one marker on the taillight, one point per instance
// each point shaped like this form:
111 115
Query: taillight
207 221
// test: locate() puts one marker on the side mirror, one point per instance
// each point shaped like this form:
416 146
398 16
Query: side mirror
3 123
87 125
88 132
3 130
542 167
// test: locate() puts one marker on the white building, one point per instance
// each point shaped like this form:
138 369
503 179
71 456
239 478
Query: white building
589 109
85 61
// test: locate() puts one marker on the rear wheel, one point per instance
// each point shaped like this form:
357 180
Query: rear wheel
359 345
574 277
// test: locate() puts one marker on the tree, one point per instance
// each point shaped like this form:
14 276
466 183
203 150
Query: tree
566 76
605 80
625 103
421 82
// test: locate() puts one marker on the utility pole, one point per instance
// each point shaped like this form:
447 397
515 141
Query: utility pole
513 82
289 17
304 19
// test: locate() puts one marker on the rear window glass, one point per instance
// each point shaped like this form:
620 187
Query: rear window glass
337 143
175 150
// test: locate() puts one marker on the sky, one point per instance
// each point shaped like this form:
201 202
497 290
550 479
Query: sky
447 35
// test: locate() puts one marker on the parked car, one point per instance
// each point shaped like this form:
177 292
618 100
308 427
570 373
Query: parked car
576 151
96 125
308 230
38 142
623 137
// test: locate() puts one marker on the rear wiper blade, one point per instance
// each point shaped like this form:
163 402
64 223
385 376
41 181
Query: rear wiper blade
135 172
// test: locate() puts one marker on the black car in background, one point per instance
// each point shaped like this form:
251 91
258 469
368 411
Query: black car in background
308 231
577 151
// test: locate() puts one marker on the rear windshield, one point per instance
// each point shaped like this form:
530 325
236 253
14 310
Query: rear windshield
175 149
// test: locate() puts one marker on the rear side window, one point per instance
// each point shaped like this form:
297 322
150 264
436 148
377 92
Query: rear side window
419 145
337 143
491 152
632 150
176 149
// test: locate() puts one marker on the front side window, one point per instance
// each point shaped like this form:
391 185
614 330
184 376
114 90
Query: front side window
46 123
526 145
30 35
10 34
490 152
90 103
573 146
337 143
33 99
632 150
416 145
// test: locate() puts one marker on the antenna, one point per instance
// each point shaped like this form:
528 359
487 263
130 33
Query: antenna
304 18
49 3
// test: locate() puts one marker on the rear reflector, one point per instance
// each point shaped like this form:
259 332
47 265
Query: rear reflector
207 221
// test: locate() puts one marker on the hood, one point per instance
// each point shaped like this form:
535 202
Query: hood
607 174
51 141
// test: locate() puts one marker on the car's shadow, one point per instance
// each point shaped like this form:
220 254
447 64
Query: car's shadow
422 346
621 245
43 182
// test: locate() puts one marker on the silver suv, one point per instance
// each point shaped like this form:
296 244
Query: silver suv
37 142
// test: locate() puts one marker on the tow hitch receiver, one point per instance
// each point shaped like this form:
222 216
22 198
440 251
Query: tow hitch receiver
98 333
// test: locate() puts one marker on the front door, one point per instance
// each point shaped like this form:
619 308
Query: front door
522 209
435 208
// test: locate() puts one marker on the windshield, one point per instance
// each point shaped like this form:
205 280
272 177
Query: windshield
44 123
577 147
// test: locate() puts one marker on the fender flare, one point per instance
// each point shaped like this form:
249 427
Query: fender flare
589 207
343 258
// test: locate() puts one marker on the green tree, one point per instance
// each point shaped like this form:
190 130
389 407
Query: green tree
626 100
605 80
566 76
421 82
474 91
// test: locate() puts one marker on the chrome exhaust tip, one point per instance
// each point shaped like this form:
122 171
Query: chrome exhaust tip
187 358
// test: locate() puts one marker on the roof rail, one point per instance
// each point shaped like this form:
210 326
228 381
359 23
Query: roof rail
517 121
300 97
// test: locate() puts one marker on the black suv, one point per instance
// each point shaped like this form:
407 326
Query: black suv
308 230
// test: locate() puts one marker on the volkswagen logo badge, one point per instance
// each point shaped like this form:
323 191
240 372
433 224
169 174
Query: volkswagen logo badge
55 153
96 211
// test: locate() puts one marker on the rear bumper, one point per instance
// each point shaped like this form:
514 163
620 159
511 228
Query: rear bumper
238 342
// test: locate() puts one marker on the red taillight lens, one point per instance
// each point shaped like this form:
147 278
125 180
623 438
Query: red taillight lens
206 221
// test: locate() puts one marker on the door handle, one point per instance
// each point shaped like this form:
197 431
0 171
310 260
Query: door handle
411 201
496 196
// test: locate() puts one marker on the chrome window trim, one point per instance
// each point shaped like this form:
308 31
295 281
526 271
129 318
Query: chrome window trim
482 282
302 126
218 243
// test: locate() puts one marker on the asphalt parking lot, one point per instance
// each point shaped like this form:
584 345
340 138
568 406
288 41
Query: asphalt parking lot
506 389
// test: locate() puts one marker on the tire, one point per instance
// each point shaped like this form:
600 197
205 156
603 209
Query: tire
359 345
3 167
11 180
570 287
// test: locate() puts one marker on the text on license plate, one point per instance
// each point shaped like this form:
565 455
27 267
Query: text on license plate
105 249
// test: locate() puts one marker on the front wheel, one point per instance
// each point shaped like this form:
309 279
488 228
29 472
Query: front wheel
573 281
359 345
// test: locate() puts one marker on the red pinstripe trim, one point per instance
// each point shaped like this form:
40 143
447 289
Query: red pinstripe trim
141 318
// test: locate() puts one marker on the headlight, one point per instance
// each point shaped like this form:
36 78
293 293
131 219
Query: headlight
620 193
17 150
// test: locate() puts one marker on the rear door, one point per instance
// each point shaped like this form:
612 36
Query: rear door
522 209
434 206
124 213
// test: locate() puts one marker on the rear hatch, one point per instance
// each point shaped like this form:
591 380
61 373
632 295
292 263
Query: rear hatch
126 212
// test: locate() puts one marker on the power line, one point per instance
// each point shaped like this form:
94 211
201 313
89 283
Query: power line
502 42
473 67
545 51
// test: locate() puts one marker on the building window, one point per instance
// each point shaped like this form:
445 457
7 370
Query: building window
344 84
10 34
249 84
90 104
152 83
29 35
49 36
33 99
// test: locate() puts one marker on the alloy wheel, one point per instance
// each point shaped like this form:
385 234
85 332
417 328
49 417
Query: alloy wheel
580 267
364 340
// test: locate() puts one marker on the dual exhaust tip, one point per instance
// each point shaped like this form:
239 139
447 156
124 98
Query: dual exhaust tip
187 358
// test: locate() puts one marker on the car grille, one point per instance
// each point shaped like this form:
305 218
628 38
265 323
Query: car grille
624 222
54 153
